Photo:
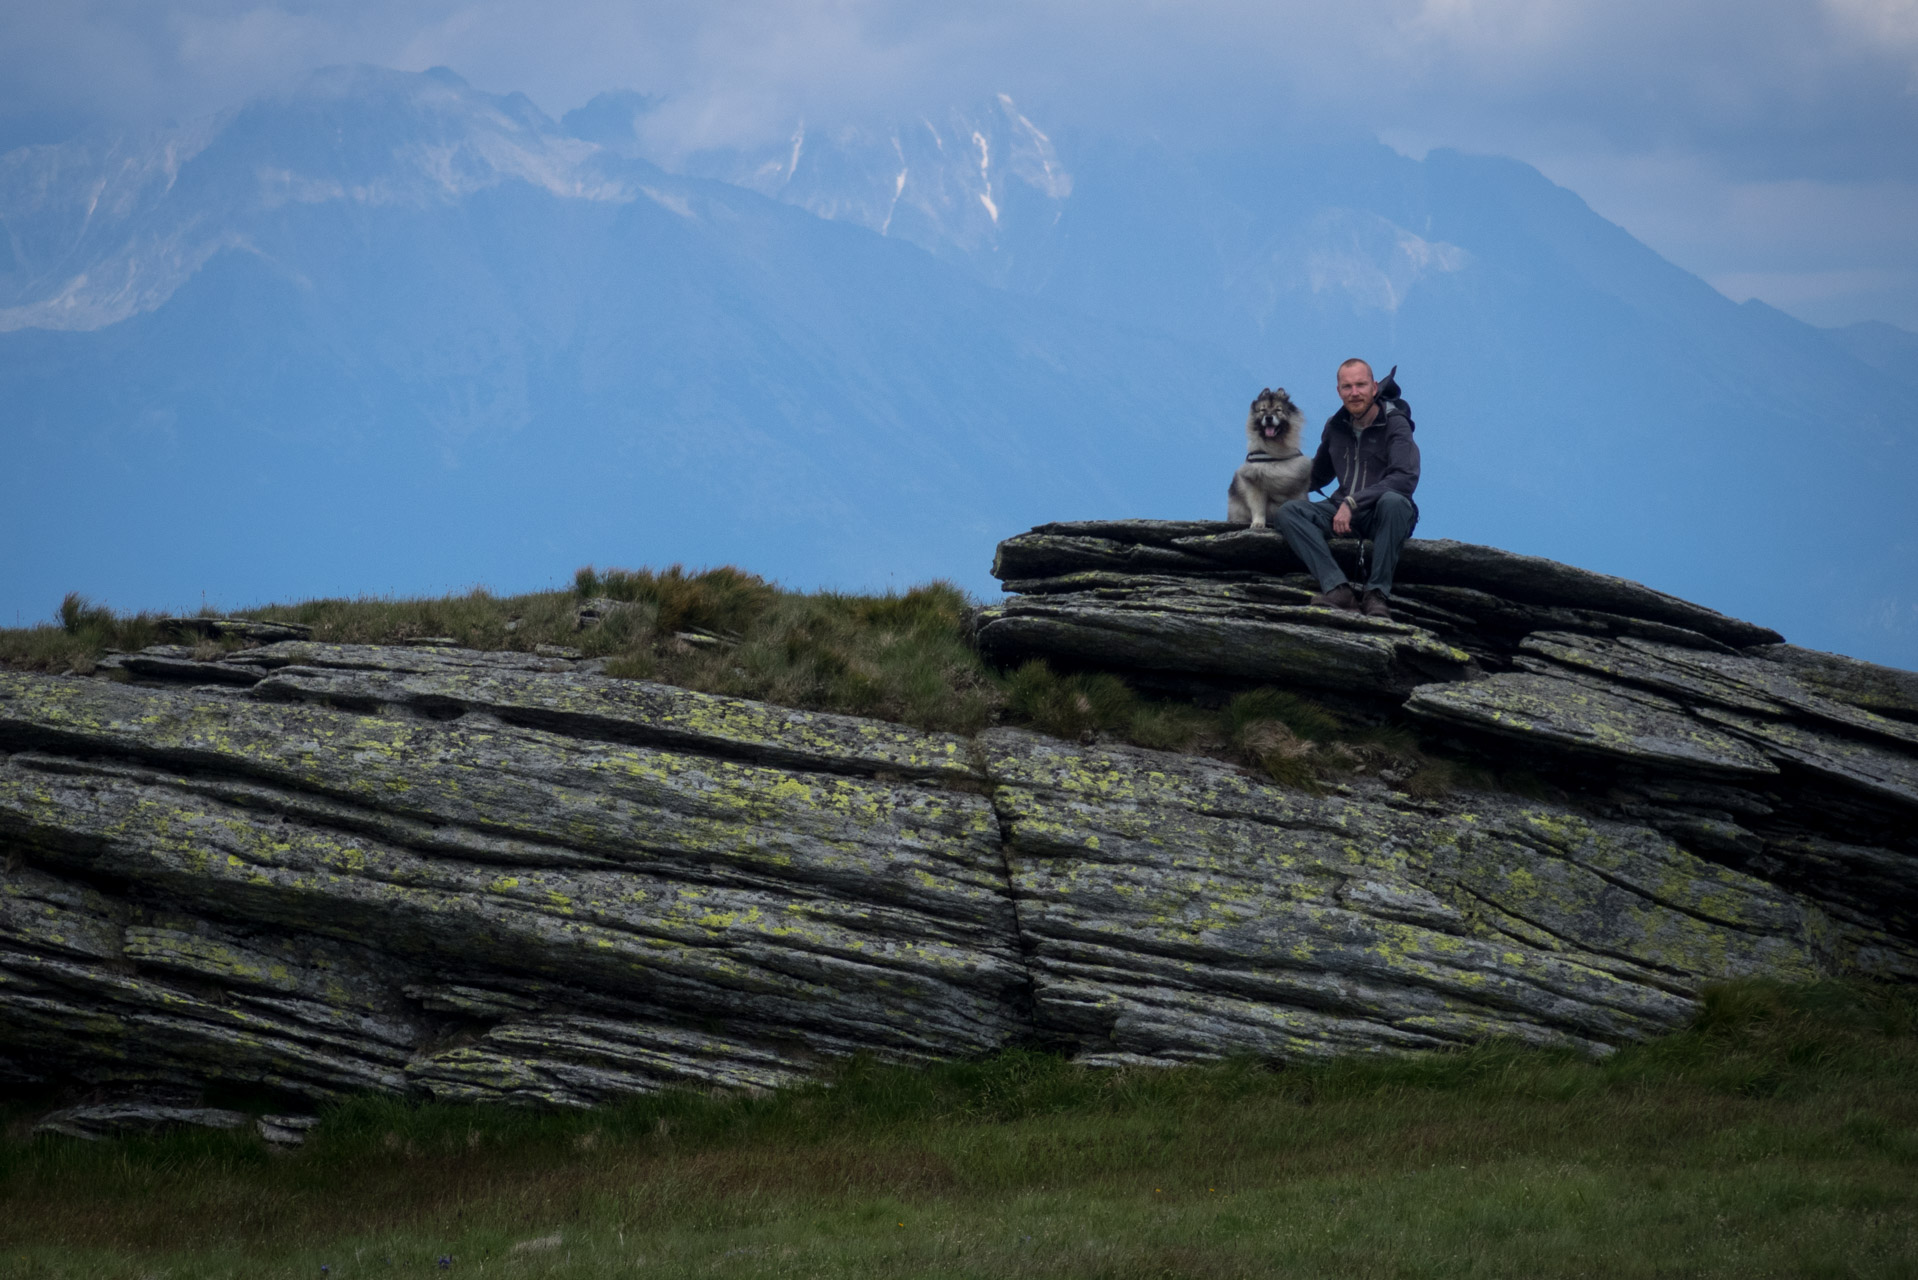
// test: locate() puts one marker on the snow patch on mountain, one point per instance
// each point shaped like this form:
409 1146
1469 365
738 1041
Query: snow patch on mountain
670 201
102 229
973 182
1037 161
985 175
1372 262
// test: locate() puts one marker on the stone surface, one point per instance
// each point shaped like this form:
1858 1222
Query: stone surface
1563 714
1177 911
1213 634
111 1119
305 870
823 912
1727 754
234 628
1886 690
1538 581
93 1121
1637 706
1224 603
1200 547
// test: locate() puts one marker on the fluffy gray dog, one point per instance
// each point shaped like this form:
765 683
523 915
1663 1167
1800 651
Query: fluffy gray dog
1275 471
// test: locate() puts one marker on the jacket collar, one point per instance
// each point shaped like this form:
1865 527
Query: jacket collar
1343 418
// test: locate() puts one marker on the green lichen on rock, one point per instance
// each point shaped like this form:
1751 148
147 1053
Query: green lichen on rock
1886 690
1156 888
1725 680
1566 714
637 711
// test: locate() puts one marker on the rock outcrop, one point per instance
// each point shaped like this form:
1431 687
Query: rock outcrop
308 869
1796 767
1178 602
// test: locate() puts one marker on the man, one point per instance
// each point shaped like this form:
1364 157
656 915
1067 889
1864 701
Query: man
1368 446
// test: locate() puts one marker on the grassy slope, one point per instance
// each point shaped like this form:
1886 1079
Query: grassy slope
1779 1137
903 657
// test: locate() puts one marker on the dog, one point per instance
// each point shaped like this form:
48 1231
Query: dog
1275 470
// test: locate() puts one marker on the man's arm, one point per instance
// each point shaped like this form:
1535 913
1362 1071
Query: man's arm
1323 473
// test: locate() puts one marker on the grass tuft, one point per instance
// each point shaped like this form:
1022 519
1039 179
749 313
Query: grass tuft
723 600
900 657
1073 706
81 635
1082 706
1287 736
1304 719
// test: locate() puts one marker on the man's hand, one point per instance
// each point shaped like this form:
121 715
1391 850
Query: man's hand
1342 520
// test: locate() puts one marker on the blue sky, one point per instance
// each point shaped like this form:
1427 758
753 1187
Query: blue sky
1769 145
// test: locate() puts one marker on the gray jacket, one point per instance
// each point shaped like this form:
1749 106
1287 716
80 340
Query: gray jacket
1382 458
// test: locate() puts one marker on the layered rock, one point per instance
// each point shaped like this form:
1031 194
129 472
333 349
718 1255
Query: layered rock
278 889
1797 766
312 869
1204 599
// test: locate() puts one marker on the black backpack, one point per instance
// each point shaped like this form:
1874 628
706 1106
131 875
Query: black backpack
1389 393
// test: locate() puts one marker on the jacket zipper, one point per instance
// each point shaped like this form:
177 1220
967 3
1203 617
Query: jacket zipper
1358 466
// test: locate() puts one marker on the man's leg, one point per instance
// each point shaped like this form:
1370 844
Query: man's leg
1306 526
1389 524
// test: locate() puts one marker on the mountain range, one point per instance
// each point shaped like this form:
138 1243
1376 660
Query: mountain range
383 332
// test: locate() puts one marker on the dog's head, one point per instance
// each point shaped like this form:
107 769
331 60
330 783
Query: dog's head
1274 418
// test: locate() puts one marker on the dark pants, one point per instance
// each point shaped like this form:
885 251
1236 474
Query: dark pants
1307 524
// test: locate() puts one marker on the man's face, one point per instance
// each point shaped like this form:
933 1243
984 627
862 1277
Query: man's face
1357 389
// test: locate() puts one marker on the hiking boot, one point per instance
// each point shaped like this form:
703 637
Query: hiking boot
1374 606
1339 597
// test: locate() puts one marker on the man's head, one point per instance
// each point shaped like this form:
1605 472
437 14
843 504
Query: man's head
1356 388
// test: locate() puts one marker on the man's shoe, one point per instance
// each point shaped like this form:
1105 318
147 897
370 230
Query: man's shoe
1339 597
1374 606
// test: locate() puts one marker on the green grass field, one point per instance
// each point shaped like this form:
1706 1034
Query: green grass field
1779 1137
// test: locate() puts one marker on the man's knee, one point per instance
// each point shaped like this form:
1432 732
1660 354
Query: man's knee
1394 511
1298 511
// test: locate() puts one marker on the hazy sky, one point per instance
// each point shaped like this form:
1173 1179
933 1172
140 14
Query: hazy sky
1769 145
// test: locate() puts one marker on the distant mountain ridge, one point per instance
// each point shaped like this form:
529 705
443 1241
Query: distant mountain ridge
1885 347
107 228
973 185
385 332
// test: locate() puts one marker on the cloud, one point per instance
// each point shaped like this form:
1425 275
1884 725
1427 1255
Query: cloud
1780 83
1881 22
1743 97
